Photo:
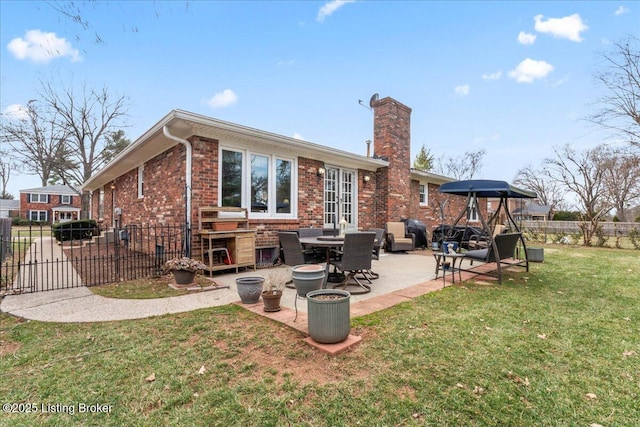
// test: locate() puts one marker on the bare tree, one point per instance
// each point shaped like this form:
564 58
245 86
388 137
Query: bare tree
620 110
582 173
549 191
465 166
622 180
6 167
89 119
35 140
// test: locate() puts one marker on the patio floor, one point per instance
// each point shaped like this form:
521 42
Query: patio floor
403 276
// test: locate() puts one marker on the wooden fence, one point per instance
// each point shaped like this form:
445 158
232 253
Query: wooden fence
613 229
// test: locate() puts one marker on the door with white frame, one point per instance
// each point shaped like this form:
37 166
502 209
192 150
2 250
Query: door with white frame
340 197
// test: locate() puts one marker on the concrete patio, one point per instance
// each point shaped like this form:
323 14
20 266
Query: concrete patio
403 276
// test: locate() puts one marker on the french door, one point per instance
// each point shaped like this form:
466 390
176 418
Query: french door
340 197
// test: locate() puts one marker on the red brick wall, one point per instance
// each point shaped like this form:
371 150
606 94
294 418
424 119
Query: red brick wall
392 140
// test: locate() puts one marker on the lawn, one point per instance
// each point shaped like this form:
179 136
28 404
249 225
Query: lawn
558 346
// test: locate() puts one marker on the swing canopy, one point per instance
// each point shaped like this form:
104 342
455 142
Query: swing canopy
486 188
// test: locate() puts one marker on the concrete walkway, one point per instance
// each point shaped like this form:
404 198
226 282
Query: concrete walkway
402 276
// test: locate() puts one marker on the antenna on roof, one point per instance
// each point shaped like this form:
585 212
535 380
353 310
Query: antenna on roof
373 99
361 103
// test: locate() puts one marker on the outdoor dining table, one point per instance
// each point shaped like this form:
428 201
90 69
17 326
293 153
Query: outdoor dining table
328 243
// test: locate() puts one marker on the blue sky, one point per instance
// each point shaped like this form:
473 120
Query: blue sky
513 78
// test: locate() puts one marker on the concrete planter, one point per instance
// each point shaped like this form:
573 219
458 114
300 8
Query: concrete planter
329 316
535 254
249 289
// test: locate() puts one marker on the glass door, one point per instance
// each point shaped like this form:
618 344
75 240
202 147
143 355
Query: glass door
340 197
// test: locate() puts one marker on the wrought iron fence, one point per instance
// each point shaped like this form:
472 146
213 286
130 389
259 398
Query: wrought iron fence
36 261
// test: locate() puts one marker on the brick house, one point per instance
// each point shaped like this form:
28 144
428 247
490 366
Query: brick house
285 183
50 204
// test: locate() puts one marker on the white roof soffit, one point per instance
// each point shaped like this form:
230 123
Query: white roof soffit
184 124
431 177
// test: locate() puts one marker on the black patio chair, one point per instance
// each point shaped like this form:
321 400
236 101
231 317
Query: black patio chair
356 259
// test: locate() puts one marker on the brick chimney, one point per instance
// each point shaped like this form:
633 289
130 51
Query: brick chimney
392 141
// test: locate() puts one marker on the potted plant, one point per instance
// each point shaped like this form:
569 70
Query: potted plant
328 313
274 283
184 269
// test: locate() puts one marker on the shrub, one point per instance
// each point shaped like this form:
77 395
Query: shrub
634 236
75 230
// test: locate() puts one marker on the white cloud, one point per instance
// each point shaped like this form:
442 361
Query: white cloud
526 38
568 27
330 7
493 76
529 70
621 11
296 135
222 99
285 63
462 90
16 111
42 47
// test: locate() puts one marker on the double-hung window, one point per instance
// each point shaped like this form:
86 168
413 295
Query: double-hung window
65 199
260 182
424 194
38 216
39 198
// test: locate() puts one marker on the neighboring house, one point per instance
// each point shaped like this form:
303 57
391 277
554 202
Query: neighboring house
51 204
285 183
531 211
9 208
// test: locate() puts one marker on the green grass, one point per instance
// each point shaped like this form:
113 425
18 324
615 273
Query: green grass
147 288
558 346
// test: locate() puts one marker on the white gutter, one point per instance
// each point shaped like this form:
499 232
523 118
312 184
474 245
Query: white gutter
189 154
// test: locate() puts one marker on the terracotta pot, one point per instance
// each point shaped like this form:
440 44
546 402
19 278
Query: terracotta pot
271 300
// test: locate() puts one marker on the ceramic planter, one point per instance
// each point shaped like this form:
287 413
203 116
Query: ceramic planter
308 277
183 277
249 289
328 314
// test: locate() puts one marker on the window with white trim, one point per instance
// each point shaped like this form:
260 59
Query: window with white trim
140 181
39 198
38 216
101 203
424 194
264 185
65 199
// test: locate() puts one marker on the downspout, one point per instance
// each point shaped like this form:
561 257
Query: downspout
189 154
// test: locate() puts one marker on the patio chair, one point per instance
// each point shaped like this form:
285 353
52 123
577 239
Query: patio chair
480 241
312 232
309 232
356 259
397 237
506 247
293 252
378 243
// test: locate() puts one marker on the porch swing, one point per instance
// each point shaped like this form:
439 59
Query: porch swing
499 245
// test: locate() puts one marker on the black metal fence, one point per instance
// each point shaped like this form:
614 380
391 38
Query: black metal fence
35 261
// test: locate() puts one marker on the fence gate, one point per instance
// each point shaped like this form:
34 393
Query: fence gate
34 260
